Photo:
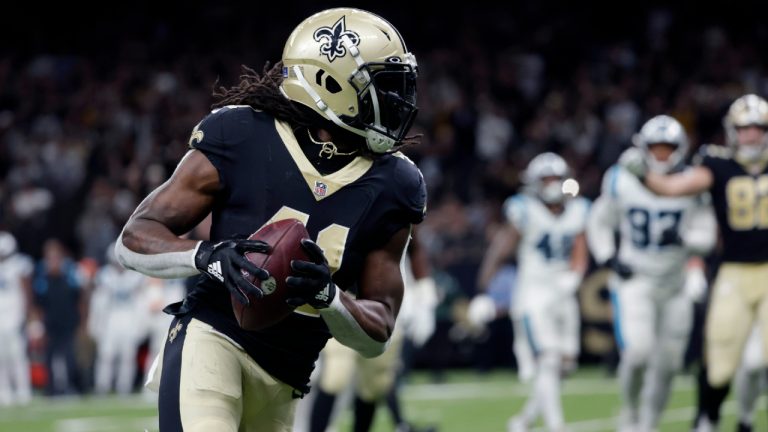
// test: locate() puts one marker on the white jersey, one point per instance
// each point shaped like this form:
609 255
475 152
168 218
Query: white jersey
653 229
545 245
115 303
12 302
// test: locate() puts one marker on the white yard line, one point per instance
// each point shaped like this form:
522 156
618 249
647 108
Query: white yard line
105 424
492 390
670 416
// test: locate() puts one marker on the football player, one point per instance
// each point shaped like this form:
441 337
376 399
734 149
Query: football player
314 138
15 291
376 378
546 230
750 379
156 295
653 313
114 322
737 178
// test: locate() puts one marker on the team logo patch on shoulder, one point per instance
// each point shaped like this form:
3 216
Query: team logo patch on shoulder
320 188
331 38
196 137
174 332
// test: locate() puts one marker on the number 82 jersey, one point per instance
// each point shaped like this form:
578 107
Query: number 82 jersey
740 200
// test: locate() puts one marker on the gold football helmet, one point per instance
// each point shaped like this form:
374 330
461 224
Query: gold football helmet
748 110
352 67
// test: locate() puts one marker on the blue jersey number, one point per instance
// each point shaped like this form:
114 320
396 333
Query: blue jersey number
555 247
656 229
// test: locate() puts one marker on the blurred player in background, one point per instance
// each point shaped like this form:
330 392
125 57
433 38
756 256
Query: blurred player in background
653 313
157 294
546 230
751 379
58 293
313 139
15 273
376 380
116 322
737 178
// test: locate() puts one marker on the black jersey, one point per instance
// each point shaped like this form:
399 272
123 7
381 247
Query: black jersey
740 200
266 177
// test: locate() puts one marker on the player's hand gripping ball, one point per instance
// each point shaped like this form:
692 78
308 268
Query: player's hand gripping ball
284 238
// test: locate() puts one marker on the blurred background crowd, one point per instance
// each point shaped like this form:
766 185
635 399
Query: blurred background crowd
95 113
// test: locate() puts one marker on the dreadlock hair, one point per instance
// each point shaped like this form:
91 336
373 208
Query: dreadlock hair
262 92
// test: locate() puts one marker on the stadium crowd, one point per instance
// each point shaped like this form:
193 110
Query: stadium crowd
86 133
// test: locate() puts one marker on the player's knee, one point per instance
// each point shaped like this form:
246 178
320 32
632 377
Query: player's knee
720 375
334 382
637 355
376 388
211 424
549 361
671 356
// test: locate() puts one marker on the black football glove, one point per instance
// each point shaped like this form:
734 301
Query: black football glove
225 262
310 282
670 237
622 270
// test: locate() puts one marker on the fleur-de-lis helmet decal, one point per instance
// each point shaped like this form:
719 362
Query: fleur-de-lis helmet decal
353 69
332 37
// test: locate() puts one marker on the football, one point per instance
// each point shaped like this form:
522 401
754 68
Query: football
284 237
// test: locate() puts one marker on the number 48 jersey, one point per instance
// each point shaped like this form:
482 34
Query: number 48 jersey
546 240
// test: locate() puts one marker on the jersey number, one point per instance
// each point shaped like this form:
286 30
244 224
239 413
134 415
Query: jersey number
644 224
747 202
332 240
552 250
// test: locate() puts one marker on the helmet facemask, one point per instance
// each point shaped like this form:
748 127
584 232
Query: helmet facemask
545 176
662 129
386 96
748 110
551 191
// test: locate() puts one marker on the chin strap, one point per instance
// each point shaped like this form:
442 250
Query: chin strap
328 149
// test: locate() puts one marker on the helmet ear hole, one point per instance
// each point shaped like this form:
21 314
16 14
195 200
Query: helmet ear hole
332 85
326 81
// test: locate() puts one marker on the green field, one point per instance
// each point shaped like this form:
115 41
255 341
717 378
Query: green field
465 402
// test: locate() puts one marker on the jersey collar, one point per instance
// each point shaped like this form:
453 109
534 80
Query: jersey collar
321 186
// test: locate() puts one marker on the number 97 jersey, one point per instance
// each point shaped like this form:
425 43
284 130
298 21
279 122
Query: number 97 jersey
546 240
651 227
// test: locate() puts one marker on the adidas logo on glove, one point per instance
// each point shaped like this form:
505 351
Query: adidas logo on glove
214 269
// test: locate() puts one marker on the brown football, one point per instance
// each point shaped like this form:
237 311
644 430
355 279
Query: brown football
284 237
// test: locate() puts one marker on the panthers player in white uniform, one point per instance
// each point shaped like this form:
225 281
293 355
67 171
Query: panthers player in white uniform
657 236
15 271
116 323
546 229
750 380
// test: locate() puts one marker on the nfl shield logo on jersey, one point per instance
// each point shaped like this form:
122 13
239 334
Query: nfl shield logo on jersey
320 188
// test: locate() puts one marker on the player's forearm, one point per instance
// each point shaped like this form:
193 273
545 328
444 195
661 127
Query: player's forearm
488 269
662 184
691 182
600 227
363 325
502 246
151 248
580 255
